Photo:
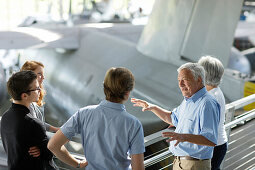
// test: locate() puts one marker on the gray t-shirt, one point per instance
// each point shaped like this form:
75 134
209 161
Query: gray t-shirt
38 112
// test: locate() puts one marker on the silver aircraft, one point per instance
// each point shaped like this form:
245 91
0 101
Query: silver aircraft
178 31
77 57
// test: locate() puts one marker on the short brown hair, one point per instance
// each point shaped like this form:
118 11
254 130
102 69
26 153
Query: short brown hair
118 81
32 65
20 83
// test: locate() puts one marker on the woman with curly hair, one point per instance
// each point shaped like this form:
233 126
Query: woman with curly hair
36 109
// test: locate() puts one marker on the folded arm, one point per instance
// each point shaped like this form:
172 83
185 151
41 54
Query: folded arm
41 140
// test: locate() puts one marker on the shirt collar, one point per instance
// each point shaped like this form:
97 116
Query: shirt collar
23 108
197 95
118 106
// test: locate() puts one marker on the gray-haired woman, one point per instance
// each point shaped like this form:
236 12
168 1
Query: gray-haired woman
213 74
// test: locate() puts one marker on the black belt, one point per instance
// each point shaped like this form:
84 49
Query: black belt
189 158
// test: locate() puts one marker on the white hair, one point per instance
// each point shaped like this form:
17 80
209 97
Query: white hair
214 70
196 70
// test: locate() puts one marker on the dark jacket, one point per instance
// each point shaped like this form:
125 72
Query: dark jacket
19 132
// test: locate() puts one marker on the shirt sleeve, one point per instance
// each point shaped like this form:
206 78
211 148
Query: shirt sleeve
72 126
209 121
174 116
137 140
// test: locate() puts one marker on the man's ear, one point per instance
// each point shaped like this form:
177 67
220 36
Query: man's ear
24 96
127 95
199 80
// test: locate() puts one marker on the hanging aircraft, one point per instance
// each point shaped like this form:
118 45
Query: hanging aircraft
76 57
178 31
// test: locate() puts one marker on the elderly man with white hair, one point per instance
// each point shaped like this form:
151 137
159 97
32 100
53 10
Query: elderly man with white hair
196 120
214 70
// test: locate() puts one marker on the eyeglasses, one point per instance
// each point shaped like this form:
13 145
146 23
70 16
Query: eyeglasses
37 88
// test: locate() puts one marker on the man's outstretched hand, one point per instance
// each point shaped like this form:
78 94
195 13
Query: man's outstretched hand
141 103
174 136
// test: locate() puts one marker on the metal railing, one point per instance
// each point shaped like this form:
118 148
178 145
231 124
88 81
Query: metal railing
230 122
156 137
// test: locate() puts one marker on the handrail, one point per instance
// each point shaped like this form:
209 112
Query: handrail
241 102
249 115
166 154
156 137
230 109
157 158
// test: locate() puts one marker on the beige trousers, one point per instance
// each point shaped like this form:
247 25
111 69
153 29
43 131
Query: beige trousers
181 164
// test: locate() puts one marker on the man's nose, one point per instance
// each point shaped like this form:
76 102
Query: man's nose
181 83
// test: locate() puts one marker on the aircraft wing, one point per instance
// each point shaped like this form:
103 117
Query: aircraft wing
30 37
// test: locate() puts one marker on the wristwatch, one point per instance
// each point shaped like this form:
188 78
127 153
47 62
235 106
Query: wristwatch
79 164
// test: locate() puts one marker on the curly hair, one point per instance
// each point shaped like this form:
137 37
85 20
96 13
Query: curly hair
33 65
214 70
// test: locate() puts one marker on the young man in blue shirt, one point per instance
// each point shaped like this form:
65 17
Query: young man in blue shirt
110 135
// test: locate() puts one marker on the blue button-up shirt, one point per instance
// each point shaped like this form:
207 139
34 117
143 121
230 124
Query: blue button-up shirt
198 115
109 134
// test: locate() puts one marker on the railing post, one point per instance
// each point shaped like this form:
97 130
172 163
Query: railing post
230 112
